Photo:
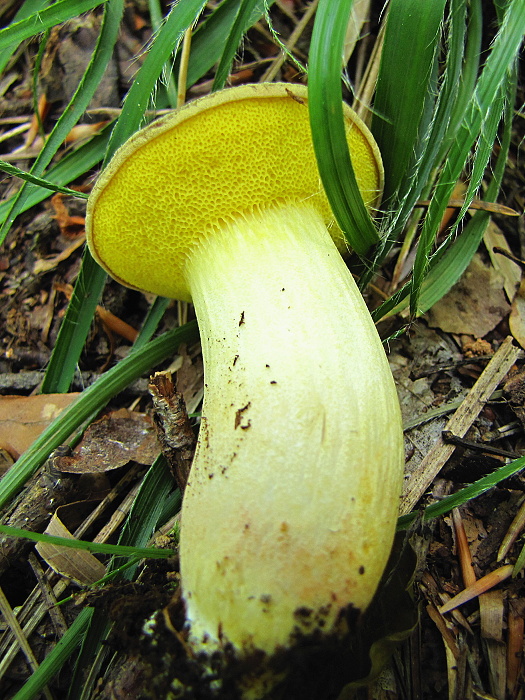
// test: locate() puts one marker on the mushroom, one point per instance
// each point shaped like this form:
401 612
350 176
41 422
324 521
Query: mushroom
290 508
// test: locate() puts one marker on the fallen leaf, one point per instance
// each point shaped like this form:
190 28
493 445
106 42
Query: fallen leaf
517 316
510 271
23 418
116 439
475 305
77 564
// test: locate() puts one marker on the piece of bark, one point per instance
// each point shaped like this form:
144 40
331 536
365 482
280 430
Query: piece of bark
34 508
175 434
459 423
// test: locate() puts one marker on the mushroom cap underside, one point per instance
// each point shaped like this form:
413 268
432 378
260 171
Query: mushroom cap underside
224 156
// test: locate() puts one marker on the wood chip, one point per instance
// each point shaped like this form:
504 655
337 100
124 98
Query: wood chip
483 584
422 477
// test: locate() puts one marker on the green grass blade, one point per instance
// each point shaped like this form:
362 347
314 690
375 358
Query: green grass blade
28 8
78 104
157 491
52 664
69 168
469 74
90 282
91 400
211 36
41 182
446 504
404 86
153 317
442 127
495 72
182 16
116 550
141 523
88 288
448 265
327 124
74 328
92 655
483 152
44 19
244 15
445 270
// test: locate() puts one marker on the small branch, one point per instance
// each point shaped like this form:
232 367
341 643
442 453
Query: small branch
174 431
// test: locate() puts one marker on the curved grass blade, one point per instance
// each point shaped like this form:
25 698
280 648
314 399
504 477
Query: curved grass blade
91 400
90 283
156 501
44 19
151 322
428 150
495 72
78 104
69 168
181 16
28 8
447 266
143 519
327 124
244 16
469 73
41 182
413 33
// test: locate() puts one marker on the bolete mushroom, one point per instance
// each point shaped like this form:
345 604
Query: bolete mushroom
291 505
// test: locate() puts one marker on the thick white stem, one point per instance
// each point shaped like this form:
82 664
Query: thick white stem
290 510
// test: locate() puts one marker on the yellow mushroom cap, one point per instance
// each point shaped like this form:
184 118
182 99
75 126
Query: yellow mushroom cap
223 156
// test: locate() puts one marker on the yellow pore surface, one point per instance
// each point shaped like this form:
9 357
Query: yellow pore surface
220 157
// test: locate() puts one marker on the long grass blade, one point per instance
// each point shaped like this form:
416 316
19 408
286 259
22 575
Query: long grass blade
78 104
447 266
405 87
44 19
91 400
442 127
327 123
497 67
40 181
29 8
52 664
211 36
244 14
74 328
115 550
69 168
446 504
182 16
151 322
90 282
156 498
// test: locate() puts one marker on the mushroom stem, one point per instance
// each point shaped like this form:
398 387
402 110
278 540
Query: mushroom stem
285 524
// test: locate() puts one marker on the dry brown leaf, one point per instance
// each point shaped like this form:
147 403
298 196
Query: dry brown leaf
475 305
23 418
77 564
111 442
494 238
517 316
